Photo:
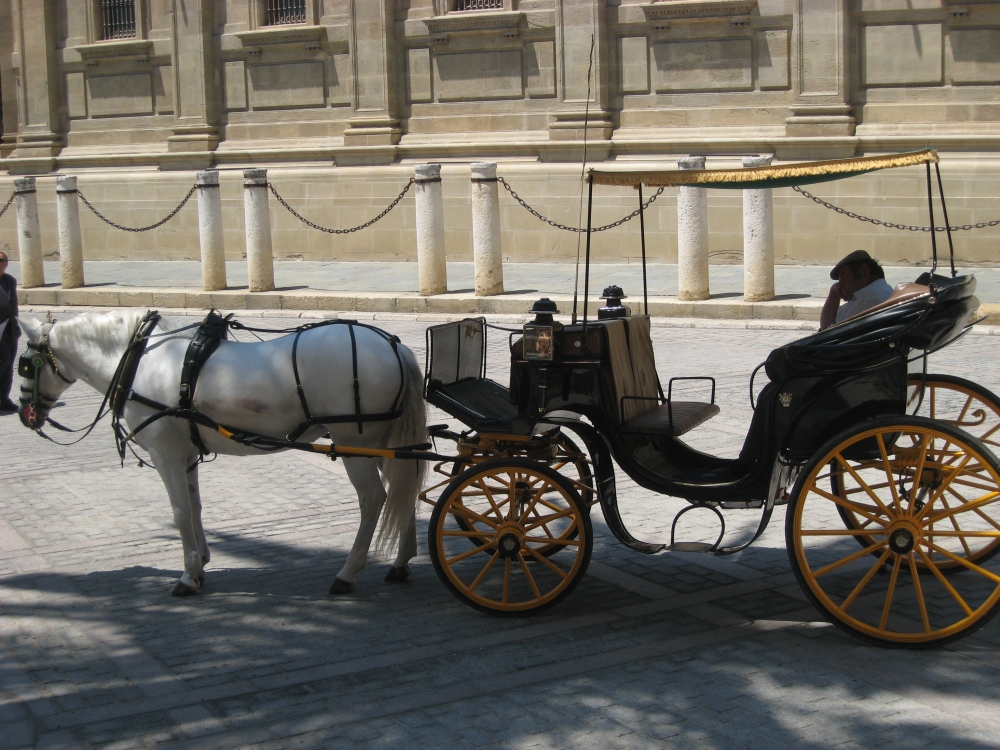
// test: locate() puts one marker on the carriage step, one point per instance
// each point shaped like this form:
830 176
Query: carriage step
690 547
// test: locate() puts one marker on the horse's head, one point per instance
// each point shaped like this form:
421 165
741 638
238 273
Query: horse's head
43 380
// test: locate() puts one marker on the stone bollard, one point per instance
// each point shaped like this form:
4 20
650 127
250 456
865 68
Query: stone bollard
260 258
213 252
758 239
29 239
70 238
486 250
431 267
692 236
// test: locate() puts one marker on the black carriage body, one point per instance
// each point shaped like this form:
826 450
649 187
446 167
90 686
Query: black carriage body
818 386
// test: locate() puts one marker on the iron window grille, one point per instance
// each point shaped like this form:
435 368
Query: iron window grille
118 19
478 4
281 12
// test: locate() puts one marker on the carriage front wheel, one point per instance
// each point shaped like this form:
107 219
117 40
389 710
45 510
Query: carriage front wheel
530 532
926 490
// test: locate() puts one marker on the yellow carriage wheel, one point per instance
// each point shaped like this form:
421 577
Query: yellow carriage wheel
959 403
925 490
531 536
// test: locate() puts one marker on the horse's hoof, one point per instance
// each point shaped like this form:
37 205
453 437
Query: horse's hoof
397 575
341 586
202 577
182 589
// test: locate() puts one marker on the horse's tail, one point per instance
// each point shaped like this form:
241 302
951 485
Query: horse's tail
403 477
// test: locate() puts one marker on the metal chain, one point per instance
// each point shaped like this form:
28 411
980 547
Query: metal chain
889 224
367 224
161 222
7 204
557 225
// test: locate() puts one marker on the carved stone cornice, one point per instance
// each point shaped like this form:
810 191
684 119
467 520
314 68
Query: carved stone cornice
478 21
281 35
671 9
115 48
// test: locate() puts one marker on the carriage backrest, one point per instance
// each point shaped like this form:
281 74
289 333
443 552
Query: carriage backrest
632 365
456 351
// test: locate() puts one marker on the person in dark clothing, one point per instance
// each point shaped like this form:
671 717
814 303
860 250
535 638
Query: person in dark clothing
9 334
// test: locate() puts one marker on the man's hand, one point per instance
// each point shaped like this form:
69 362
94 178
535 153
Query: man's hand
828 315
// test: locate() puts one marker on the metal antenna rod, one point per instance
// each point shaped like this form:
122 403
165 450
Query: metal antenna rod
583 169
947 224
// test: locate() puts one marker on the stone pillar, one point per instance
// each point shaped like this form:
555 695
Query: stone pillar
194 79
758 239
260 259
36 80
213 253
431 266
486 251
692 236
70 238
29 238
373 49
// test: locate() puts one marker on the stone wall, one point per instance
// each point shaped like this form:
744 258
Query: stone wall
340 107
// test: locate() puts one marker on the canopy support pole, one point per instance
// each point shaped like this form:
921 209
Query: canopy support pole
586 269
930 206
947 224
642 237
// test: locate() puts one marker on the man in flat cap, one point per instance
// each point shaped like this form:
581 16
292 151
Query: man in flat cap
860 284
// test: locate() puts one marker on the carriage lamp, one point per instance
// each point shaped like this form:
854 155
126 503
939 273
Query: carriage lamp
614 308
539 335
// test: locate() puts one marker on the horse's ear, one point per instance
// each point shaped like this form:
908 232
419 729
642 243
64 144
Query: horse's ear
31 328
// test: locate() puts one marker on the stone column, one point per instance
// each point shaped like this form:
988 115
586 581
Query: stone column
758 239
260 259
195 92
431 266
70 238
486 251
692 236
37 83
373 55
29 239
213 253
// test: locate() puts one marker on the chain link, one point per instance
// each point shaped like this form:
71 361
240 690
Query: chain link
557 225
328 230
7 204
161 222
889 224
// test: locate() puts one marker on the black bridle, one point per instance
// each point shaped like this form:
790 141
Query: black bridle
35 405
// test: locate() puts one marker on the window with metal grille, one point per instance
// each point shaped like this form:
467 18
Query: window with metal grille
280 12
478 4
118 19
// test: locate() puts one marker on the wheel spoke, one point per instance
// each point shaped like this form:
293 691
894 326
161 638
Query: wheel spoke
919 472
484 571
465 533
506 580
850 558
887 467
850 505
954 523
468 553
457 509
489 496
990 497
962 561
944 486
839 532
543 559
864 581
527 574
977 511
548 519
915 575
889 593
864 485
944 581
536 496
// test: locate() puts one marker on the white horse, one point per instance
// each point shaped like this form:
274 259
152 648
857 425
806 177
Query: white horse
251 387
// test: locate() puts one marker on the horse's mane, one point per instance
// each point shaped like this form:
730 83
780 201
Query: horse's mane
110 332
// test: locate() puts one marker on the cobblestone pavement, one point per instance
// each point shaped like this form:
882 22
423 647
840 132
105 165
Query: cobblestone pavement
791 282
674 650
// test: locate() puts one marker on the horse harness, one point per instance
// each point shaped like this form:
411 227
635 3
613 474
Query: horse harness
212 330
30 367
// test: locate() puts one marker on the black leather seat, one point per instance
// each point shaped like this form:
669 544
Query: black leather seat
672 419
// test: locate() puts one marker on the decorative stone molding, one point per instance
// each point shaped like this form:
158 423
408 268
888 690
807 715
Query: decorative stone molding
116 48
812 120
507 23
282 35
698 9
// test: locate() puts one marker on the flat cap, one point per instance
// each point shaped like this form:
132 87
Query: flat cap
858 256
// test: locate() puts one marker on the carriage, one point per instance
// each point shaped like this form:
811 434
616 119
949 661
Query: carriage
887 471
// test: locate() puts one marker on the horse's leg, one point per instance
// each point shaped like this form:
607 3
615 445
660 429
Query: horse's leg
194 495
173 471
364 475
400 569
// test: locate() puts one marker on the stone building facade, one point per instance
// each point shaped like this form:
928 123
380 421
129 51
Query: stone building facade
338 98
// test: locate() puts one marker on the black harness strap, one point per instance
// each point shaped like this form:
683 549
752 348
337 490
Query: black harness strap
130 366
212 330
298 382
357 386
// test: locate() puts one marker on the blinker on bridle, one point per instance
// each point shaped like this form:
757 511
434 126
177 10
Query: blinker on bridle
30 367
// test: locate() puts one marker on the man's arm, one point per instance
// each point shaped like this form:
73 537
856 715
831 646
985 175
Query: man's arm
13 296
828 315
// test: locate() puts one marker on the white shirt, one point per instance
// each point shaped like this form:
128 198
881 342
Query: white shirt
875 293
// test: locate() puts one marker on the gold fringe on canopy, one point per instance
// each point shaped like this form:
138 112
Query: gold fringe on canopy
788 173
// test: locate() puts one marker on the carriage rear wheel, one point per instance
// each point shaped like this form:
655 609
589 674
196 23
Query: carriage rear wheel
960 403
531 537
926 490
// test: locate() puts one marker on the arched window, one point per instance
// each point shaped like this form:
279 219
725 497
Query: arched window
117 19
280 12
